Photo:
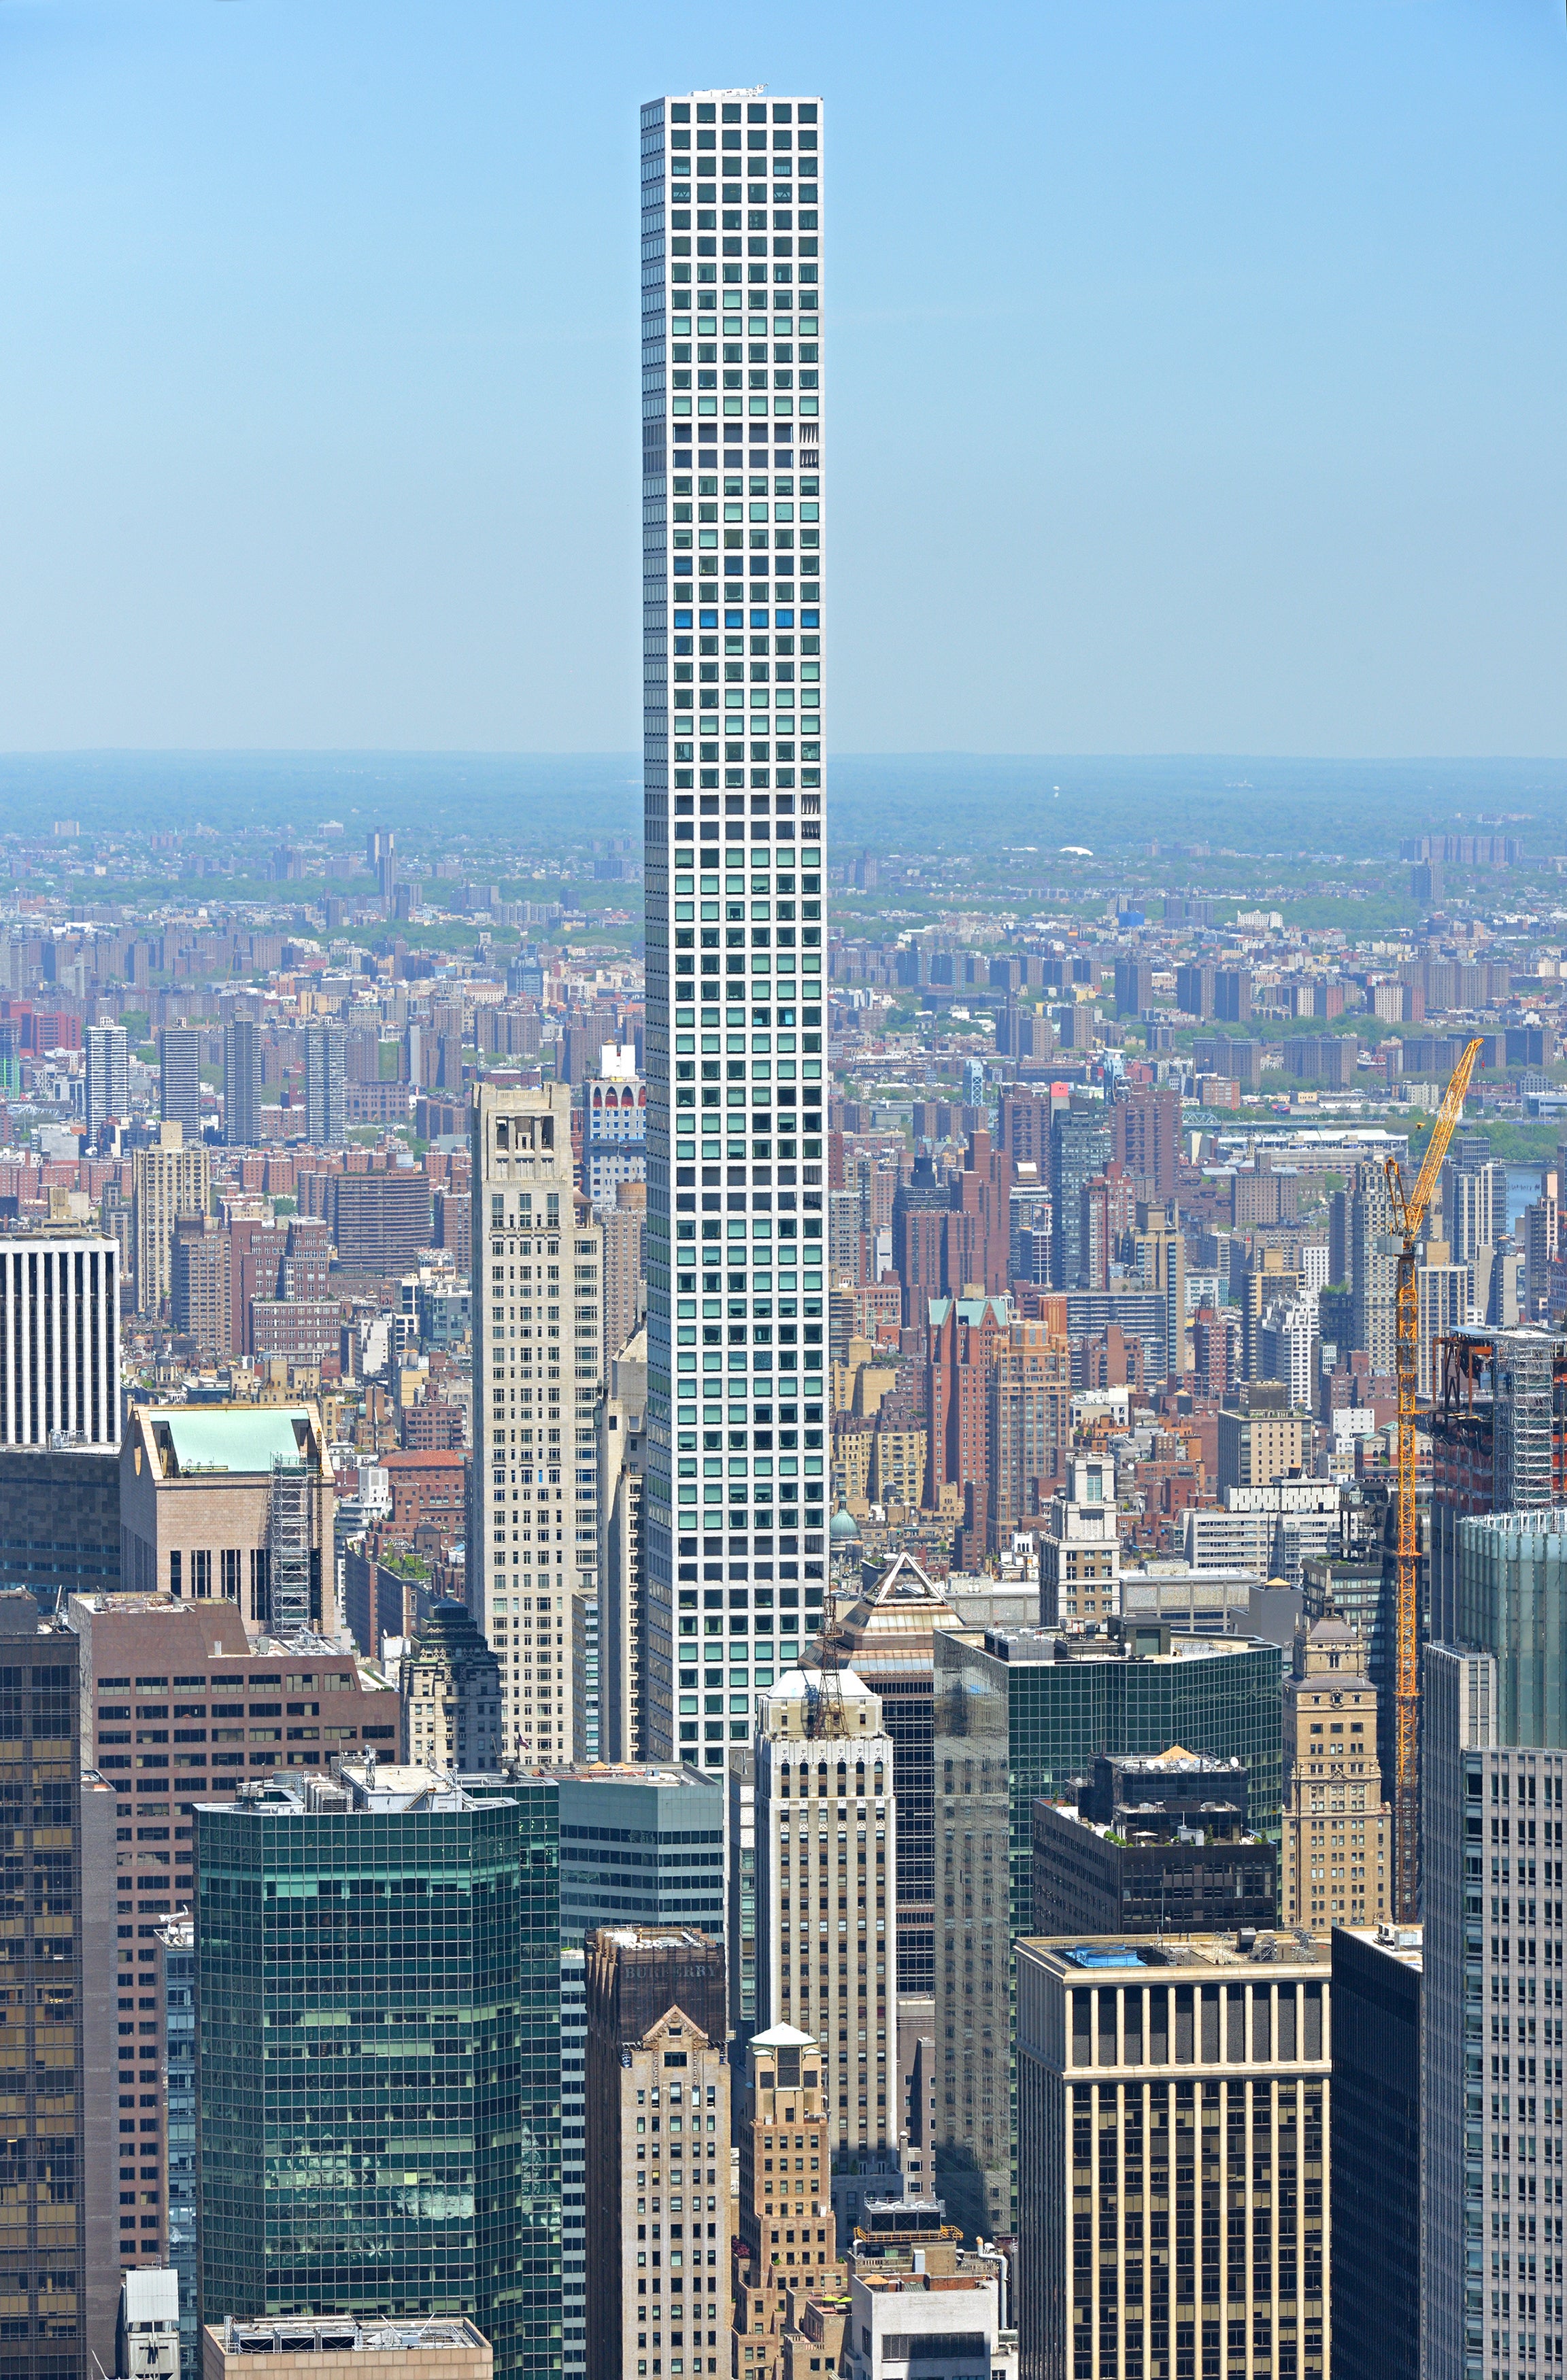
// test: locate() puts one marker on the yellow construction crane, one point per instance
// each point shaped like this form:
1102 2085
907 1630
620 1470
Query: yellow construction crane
1409 1213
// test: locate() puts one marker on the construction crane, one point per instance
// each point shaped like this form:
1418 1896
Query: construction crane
1409 1209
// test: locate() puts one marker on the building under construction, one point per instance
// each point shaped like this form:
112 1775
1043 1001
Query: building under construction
1499 1444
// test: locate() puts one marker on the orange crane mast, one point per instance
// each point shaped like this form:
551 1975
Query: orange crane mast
1409 1209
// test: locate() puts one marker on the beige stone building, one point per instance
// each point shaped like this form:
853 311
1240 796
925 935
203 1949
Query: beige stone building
538 1349
1080 1549
786 2230
168 1181
233 1503
658 2168
827 1882
1336 1847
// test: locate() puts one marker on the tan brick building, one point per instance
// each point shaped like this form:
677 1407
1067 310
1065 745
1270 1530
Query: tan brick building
204 1510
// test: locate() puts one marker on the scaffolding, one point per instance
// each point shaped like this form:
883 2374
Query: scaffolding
288 1548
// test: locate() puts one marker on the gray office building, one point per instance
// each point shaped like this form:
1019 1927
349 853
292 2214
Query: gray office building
640 1846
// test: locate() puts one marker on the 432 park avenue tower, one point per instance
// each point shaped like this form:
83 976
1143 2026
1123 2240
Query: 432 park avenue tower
734 788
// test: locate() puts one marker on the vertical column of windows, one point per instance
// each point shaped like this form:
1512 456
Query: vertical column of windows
732 681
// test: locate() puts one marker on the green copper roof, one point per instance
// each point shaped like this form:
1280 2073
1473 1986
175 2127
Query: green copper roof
249 1439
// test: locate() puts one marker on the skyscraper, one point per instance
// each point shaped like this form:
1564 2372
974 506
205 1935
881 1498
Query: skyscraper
1337 1829
59 1341
826 1832
1178 2082
658 2151
536 1357
46 2271
324 1085
623 1579
1023 1714
732 634
107 1051
170 1181
242 1084
426 2174
1079 1149
180 1078
1375 2182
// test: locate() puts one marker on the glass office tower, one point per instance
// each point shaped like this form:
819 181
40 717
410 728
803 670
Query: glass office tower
378 1997
734 793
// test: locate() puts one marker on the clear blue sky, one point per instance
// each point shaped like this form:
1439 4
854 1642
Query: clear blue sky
1196 370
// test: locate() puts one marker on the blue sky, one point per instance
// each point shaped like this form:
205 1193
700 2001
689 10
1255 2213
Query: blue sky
1195 370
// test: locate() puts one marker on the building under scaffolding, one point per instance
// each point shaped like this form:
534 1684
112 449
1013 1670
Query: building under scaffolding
290 1550
1499 1444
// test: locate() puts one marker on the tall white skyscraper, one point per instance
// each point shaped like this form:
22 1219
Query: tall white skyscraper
533 1530
59 1341
734 787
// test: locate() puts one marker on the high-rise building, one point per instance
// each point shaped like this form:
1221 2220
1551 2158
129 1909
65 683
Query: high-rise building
177 1976
441 2002
1080 1549
735 1053
381 1219
826 1832
47 2262
169 1181
624 1228
1019 1715
574 2161
450 1683
179 1079
537 1249
1079 1149
242 1084
233 1503
201 1284
658 2153
59 1341
1490 1801
786 2239
1374 2176
887 1638
623 1577
586 1712
324 1085
1028 1426
1182 2085
1372 1268
1153 1845
1337 1829
108 1053
640 1846
1498 1444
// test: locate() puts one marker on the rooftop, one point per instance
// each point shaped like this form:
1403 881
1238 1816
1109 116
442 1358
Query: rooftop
348 2335
1073 1961
192 1440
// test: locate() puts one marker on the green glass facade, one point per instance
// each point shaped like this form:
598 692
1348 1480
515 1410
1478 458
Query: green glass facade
379 2036
1013 1722
1512 1602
